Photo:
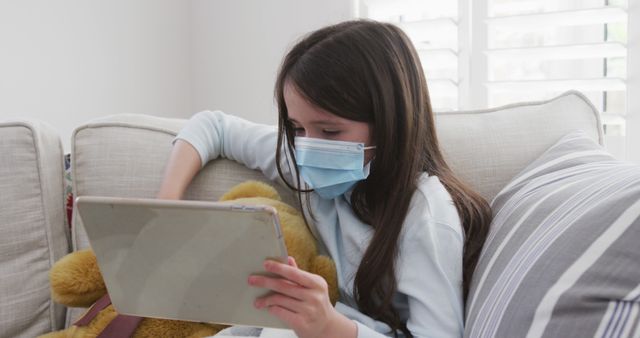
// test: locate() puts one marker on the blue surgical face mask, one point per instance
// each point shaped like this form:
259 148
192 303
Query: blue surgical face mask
330 167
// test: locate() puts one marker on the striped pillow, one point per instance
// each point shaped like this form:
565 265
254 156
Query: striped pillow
562 258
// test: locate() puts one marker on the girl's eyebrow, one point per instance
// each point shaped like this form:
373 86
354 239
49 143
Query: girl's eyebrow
320 122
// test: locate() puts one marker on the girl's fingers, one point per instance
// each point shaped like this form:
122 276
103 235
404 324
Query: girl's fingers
276 299
293 274
279 285
292 262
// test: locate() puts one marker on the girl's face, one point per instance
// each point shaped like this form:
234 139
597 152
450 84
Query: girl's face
311 121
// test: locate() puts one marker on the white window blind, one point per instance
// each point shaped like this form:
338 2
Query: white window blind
538 49
486 53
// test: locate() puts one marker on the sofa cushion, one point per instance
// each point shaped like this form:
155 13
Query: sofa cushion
32 226
562 257
486 148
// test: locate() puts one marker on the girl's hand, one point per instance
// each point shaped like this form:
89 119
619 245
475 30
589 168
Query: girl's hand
301 300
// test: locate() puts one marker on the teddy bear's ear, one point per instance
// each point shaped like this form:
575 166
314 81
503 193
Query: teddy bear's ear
251 189
76 279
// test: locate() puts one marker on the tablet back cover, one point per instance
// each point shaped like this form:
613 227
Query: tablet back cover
183 260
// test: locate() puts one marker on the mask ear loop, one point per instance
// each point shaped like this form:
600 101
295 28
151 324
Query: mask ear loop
373 158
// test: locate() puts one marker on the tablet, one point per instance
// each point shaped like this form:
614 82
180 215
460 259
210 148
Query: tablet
183 260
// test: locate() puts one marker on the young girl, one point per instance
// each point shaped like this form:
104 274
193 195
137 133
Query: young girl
356 139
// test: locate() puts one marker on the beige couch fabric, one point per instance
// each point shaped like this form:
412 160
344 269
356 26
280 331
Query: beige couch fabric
489 147
32 224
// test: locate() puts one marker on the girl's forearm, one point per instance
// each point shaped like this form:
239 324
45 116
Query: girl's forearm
183 164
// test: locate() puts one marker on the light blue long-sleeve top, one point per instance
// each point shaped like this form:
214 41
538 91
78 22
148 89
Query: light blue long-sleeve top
429 265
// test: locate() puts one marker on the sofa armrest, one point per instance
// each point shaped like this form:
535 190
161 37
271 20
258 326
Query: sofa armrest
34 234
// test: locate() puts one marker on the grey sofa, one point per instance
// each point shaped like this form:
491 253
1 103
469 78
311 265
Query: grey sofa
123 155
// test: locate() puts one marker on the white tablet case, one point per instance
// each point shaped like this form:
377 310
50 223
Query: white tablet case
185 260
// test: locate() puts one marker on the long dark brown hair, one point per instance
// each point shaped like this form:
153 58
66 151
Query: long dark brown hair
369 71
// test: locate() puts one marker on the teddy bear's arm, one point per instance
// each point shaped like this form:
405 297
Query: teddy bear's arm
325 267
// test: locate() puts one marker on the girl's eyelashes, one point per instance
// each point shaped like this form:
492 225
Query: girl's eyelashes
299 131
330 132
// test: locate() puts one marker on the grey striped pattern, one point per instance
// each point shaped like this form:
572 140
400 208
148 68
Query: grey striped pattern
621 317
562 258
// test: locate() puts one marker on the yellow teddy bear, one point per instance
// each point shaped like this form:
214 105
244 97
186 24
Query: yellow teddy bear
76 280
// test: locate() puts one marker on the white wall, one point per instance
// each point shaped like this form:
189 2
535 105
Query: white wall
68 61
238 47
